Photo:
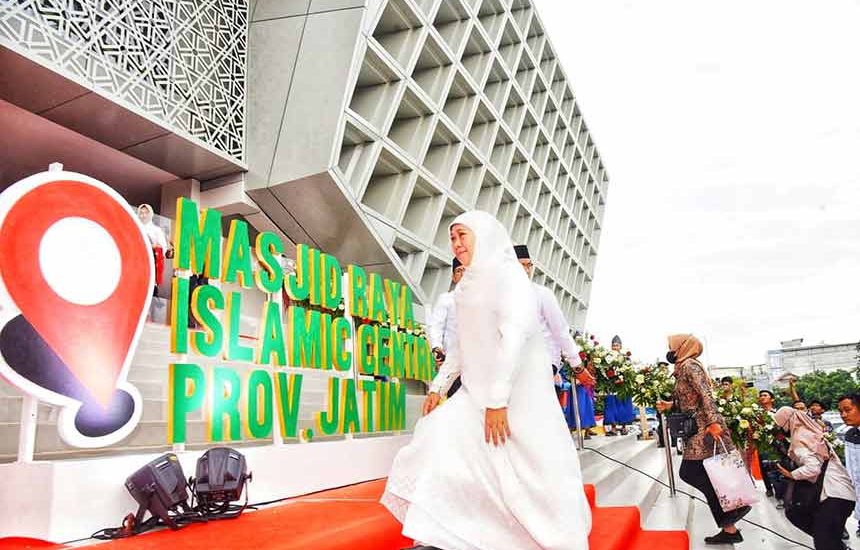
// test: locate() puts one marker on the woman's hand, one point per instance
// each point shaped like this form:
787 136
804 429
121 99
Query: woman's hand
715 430
663 406
496 426
784 472
431 402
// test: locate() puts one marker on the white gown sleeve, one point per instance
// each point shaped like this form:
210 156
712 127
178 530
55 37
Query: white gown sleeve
448 372
514 327
558 327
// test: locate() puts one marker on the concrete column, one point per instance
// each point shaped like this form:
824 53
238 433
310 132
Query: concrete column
189 188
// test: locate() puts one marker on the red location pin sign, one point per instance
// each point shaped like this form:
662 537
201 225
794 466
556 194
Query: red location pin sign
75 263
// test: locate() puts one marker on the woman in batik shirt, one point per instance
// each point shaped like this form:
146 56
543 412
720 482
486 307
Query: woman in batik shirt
693 395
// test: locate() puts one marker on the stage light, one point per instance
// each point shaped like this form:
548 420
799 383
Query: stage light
221 476
159 488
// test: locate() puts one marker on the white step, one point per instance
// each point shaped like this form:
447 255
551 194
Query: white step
700 524
607 476
634 488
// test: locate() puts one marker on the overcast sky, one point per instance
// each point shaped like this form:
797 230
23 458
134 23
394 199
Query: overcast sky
731 133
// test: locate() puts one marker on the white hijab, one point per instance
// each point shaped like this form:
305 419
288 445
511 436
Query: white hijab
495 300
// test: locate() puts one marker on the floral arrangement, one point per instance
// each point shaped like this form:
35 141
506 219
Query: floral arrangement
748 422
614 369
652 383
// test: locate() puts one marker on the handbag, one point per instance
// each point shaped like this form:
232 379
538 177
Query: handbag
682 425
729 477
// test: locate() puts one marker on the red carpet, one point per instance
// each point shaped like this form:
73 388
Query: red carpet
350 518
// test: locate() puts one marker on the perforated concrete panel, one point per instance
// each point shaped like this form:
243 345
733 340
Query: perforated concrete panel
449 106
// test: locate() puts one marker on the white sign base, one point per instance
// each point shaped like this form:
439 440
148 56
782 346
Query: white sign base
70 499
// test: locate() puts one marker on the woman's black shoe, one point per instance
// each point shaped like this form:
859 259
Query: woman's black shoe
735 516
725 538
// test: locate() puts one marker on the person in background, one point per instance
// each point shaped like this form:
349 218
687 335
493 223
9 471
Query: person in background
766 401
617 411
849 410
442 328
810 451
693 395
161 249
726 387
585 380
816 412
556 333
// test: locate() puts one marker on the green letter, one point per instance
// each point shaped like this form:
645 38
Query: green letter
237 265
179 316
204 300
350 407
186 389
396 406
259 418
271 336
328 423
332 275
198 246
393 301
270 278
398 368
383 339
357 292
289 390
305 338
298 283
235 350
225 402
377 299
341 331
368 388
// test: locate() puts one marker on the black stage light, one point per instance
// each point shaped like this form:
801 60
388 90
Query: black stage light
159 488
221 476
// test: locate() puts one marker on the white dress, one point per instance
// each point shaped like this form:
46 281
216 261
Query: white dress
451 489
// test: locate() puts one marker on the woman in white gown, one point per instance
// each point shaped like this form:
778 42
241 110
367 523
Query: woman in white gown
494 467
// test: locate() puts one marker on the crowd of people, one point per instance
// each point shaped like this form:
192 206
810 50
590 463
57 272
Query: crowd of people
801 469
494 466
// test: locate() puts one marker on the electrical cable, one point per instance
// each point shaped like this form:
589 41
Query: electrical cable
192 512
694 497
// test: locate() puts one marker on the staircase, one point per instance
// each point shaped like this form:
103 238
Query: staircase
362 523
617 486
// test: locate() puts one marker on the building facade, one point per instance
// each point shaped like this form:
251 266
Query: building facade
363 129
793 358
360 127
400 115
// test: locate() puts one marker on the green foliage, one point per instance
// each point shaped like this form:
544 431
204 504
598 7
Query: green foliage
827 386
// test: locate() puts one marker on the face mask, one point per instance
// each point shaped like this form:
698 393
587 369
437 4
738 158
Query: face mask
671 357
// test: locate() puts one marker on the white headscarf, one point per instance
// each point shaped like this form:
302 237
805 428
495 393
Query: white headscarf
496 309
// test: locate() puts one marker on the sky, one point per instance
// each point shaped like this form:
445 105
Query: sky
731 134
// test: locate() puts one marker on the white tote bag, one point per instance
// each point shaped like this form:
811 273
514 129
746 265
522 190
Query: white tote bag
731 480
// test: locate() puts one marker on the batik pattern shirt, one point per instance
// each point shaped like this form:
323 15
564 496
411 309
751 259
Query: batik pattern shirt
693 395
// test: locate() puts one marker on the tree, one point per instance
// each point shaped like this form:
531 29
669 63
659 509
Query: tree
827 386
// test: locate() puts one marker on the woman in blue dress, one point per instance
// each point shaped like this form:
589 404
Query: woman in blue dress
584 400
617 411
